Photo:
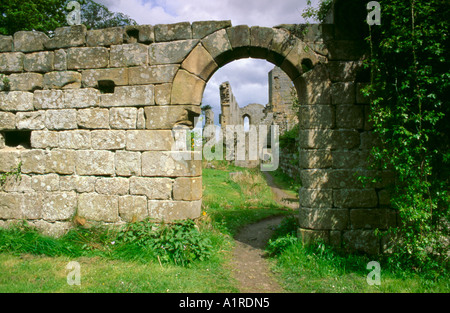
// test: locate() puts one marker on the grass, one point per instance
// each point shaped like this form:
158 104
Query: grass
30 262
285 182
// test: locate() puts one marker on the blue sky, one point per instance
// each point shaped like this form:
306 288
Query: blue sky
248 77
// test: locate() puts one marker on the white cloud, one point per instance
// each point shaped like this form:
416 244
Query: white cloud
249 12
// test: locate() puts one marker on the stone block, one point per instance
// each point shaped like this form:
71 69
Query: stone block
346 178
119 76
61 119
343 93
140 33
355 198
315 159
316 178
349 116
44 139
61 161
59 206
76 139
145 140
280 46
314 87
87 58
361 240
140 123
200 63
112 186
344 71
350 159
316 198
145 75
133 208
108 139
7 121
100 208
316 116
126 55
187 89
345 50
29 41
18 184
369 139
316 139
104 37
79 184
293 63
30 120
171 32
169 211
94 162
26 81
6 43
16 101
34 161
218 45
129 96
204 28
162 94
260 39
372 219
128 163
52 229
170 164
60 61
41 62
31 205
45 183
239 36
308 236
11 62
62 80
66 37
152 188
48 99
323 219
81 98
171 52
93 118
187 189
10 206
123 118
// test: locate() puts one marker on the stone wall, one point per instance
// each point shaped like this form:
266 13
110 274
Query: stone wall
89 115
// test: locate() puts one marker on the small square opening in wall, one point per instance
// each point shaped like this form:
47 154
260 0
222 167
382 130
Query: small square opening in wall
106 86
18 138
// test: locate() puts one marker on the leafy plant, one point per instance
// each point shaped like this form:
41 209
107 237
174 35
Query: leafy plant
14 172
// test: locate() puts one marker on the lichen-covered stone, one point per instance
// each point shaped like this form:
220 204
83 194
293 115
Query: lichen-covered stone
28 41
61 119
16 101
123 118
26 81
170 32
30 120
76 139
95 162
128 163
145 140
152 188
133 208
66 37
95 118
160 74
129 55
11 62
101 208
104 37
62 80
203 28
170 52
108 139
87 57
41 62
59 206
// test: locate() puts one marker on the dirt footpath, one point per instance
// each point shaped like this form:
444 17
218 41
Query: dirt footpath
250 268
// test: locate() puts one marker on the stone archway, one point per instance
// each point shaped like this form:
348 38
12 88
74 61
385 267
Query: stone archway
98 108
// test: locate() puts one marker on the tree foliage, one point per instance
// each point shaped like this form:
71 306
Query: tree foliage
47 15
410 111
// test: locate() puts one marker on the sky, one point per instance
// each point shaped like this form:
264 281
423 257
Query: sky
248 77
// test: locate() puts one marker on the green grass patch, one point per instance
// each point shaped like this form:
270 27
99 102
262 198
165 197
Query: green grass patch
320 268
286 183
242 198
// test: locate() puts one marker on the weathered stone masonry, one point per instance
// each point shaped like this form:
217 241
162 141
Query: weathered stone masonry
99 107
